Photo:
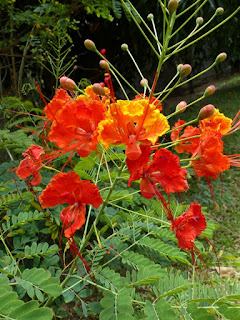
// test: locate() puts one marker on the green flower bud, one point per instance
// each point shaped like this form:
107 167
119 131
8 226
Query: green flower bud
199 21
90 45
206 112
172 5
181 107
186 70
124 47
144 82
219 11
179 67
221 57
209 91
150 17
103 64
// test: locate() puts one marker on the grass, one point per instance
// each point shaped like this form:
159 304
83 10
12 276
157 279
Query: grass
226 212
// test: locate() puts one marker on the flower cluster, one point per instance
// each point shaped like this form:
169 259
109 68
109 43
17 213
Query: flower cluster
80 123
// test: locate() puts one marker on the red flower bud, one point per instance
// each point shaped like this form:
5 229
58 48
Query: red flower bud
68 84
219 11
199 21
221 57
181 107
144 82
185 70
172 5
98 89
209 91
103 64
206 112
90 45
124 47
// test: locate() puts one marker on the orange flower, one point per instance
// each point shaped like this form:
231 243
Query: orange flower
188 145
211 161
57 103
217 122
153 100
68 188
130 122
31 164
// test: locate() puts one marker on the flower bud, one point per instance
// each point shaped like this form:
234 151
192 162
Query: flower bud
150 17
209 91
103 64
68 84
90 45
102 84
124 47
179 67
144 82
186 70
221 57
206 112
172 5
199 21
219 11
181 107
98 89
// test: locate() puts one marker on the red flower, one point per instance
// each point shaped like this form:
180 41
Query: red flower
31 164
188 226
59 100
163 169
188 145
68 188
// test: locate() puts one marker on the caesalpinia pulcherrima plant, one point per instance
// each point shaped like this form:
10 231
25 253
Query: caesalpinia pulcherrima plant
133 138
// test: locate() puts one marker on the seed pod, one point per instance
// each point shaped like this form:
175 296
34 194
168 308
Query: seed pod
206 112
181 107
90 45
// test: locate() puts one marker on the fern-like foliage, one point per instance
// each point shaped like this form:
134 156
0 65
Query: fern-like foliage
13 308
35 282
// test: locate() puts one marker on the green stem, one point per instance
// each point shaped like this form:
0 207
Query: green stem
117 72
188 8
183 125
192 15
171 89
187 106
143 21
141 30
173 143
207 33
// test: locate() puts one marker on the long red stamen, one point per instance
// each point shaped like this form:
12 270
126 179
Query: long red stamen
160 197
147 107
40 92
